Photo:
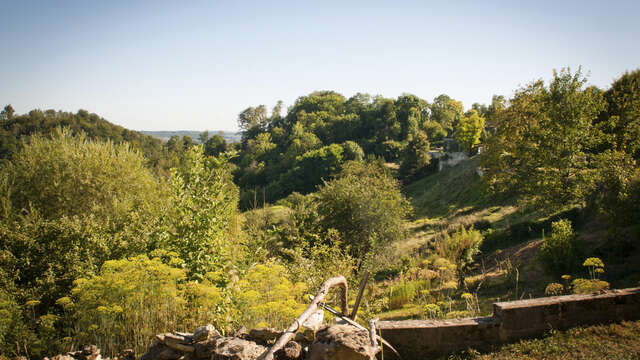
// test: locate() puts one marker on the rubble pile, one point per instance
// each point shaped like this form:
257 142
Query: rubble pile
89 352
341 342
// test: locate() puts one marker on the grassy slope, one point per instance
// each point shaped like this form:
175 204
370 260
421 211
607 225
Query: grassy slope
454 197
614 341
508 267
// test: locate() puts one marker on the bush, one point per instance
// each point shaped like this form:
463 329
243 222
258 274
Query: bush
405 291
554 289
12 326
67 204
197 225
131 300
460 247
366 206
558 252
588 286
267 298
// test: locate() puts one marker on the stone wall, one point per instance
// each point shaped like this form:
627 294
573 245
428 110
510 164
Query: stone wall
418 339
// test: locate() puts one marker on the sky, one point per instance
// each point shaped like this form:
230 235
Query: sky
195 65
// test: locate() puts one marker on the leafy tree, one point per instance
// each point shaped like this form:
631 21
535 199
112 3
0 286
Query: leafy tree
352 151
253 117
7 113
390 150
74 176
416 158
389 128
308 171
15 129
215 146
434 131
446 111
302 141
319 101
621 121
68 204
203 204
365 205
617 194
411 112
469 129
543 145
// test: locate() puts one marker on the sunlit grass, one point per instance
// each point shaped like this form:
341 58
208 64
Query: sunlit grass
614 341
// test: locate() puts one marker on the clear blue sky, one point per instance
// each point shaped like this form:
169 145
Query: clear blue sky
169 65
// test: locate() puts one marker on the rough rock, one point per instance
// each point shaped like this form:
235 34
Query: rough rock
160 351
264 336
292 350
127 354
203 349
342 342
241 333
205 333
89 352
236 349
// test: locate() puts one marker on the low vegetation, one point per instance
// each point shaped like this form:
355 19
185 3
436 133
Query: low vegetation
615 341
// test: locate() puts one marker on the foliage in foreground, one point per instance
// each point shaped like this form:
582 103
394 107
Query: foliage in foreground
131 300
267 297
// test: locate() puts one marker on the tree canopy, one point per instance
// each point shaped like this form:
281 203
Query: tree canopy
544 141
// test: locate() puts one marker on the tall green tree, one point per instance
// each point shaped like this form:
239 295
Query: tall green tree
215 145
544 142
365 205
416 158
67 204
197 225
469 129
446 111
621 120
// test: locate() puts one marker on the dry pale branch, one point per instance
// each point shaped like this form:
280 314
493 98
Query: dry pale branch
339 281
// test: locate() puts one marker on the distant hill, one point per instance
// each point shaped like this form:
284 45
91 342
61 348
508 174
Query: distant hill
228 136
14 128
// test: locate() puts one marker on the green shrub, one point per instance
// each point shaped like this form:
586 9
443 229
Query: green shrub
432 311
558 252
267 298
197 225
405 292
588 286
131 300
365 204
460 248
12 326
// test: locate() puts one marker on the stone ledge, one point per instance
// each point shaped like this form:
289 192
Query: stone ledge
419 339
